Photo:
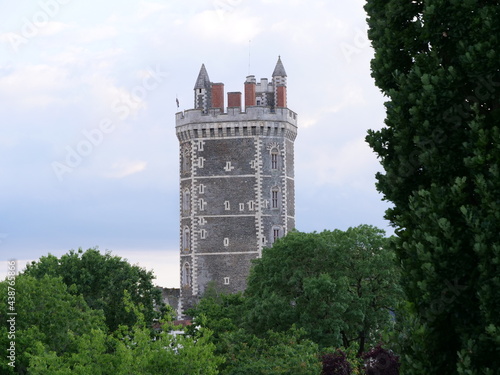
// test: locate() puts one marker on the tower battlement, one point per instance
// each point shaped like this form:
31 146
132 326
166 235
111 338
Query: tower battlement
253 113
237 189
196 123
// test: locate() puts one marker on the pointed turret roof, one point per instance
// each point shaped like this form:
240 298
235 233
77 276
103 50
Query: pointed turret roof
279 69
203 81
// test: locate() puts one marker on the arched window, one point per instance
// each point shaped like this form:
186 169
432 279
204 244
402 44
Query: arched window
186 201
275 158
186 274
186 239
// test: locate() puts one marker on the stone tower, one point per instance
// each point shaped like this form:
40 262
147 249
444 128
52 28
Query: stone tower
236 181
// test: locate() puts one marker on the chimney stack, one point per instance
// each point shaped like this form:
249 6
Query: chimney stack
234 99
218 96
250 86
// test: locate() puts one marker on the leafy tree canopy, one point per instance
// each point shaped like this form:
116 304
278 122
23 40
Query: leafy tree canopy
47 314
339 286
437 63
277 353
132 350
102 280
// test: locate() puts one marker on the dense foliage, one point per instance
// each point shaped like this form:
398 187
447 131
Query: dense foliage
437 63
47 315
269 353
57 333
339 286
309 293
102 280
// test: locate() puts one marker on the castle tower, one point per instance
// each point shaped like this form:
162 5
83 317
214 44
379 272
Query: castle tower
237 188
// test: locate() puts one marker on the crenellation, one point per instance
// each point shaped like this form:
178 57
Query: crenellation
252 113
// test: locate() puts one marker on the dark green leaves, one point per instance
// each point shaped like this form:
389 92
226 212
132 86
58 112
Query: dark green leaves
437 62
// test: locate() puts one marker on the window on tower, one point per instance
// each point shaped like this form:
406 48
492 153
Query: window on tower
186 201
186 275
186 239
276 232
275 197
185 165
274 158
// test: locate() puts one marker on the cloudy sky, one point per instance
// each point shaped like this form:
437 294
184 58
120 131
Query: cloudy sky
88 152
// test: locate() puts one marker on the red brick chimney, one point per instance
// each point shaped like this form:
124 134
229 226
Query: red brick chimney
281 96
250 86
218 96
234 99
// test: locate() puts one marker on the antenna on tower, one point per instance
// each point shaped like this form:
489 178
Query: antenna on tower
249 56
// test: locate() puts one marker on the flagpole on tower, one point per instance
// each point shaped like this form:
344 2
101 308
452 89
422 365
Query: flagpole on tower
249 56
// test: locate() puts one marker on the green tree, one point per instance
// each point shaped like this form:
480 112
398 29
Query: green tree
102 280
276 353
437 62
337 285
131 350
48 316
219 312
270 353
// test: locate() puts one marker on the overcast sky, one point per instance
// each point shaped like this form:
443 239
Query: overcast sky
88 151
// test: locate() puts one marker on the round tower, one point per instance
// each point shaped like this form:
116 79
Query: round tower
237 192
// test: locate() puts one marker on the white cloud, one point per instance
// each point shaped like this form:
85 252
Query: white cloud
234 26
33 86
52 28
351 96
351 165
77 57
147 8
96 33
125 168
110 100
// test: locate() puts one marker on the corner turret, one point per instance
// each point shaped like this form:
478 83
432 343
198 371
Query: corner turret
279 69
202 90
279 84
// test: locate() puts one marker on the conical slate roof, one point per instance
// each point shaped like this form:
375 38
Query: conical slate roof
203 81
279 69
